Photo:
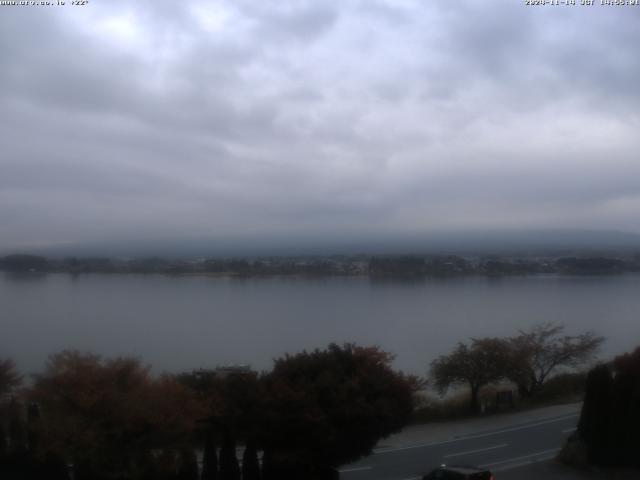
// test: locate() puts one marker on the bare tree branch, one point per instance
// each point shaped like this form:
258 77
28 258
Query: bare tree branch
538 352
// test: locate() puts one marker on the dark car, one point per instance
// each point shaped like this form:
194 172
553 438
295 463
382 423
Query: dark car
459 473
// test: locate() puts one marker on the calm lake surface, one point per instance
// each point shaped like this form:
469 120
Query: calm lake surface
179 323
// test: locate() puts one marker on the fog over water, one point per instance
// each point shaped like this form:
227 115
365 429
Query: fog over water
178 323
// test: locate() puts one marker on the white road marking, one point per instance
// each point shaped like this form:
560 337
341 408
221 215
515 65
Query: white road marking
472 437
469 452
354 469
553 451
524 464
567 430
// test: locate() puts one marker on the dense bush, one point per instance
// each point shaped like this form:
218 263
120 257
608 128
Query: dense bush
329 407
562 387
610 421
113 419
430 408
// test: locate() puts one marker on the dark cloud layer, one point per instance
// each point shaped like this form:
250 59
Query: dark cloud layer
129 120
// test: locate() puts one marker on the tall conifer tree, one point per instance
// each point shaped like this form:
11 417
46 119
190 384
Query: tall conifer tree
209 459
250 463
229 468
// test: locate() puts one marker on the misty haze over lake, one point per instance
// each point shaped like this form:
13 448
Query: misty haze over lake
179 323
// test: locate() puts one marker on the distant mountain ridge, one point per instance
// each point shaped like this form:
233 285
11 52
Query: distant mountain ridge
522 242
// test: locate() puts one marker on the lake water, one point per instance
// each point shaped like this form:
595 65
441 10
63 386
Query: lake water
179 323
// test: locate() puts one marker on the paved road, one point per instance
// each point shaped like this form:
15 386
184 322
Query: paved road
507 448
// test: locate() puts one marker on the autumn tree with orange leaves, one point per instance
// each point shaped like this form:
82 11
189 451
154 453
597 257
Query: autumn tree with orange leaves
107 415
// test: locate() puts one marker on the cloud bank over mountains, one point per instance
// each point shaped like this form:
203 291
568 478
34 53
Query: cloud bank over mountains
338 119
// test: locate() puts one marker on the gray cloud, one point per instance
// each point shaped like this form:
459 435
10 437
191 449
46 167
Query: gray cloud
137 120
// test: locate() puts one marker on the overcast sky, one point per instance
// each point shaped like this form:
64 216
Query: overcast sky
156 119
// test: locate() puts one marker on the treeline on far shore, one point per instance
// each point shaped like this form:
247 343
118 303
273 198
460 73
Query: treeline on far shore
338 265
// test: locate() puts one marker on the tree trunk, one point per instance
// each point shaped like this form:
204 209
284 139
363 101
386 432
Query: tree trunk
188 465
209 459
250 463
475 401
229 468
268 471
524 391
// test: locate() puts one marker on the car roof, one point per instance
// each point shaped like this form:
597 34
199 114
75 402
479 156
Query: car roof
464 470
